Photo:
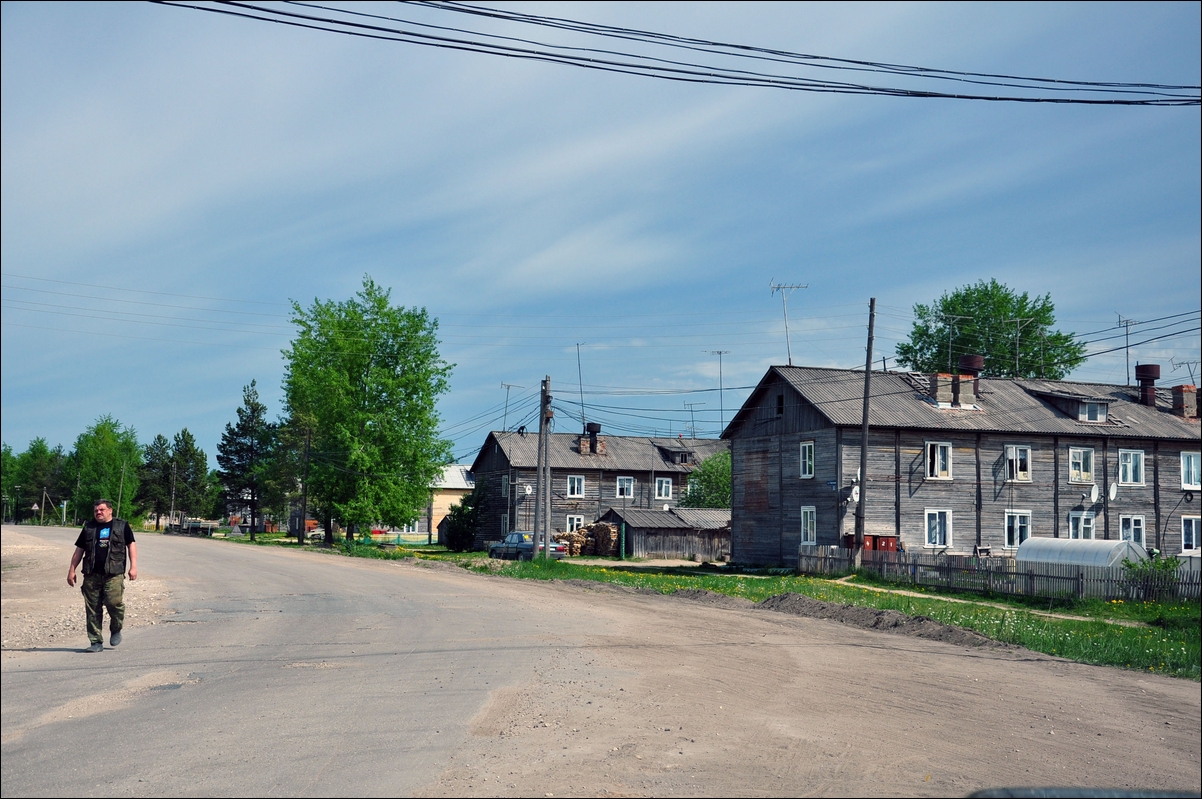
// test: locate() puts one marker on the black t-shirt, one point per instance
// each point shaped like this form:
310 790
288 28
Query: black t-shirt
100 552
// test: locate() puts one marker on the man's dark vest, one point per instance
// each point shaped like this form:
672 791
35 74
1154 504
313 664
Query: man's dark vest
115 562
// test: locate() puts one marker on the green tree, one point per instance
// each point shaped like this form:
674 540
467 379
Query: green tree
191 475
244 455
463 519
42 473
362 378
154 487
108 460
709 483
980 320
8 480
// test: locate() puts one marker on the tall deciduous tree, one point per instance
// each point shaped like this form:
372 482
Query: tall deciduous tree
154 488
362 379
1012 331
244 455
709 483
108 459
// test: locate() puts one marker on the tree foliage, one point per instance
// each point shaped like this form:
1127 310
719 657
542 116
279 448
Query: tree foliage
192 487
979 320
154 487
40 475
709 483
463 519
108 460
362 378
244 456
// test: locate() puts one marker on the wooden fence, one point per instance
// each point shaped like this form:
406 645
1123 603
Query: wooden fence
1003 575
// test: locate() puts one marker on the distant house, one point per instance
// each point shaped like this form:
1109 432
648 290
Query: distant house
590 472
687 533
960 462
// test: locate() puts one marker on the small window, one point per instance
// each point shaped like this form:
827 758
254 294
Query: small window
1018 527
505 486
939 460
1189 532
625 487
1080 525
807 460
663 488
780 404
574 523
939 528
504 523
1092 412
1080 465
684 457
1018 464
809 525
1131 528
575 485
1191 465
1131 467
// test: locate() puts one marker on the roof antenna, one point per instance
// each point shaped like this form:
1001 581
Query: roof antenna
580 378
785 290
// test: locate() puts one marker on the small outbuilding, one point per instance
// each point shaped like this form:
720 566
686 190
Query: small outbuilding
701 534
1079 552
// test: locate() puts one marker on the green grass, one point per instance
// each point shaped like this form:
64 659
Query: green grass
1173 645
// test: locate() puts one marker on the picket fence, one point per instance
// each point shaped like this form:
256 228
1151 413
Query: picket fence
1000 575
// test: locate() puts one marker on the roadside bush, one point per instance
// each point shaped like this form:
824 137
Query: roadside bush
463 519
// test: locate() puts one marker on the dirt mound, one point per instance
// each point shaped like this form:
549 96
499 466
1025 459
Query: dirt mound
706 597
872 619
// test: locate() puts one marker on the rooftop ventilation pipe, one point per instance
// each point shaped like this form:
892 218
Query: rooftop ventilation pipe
1147 374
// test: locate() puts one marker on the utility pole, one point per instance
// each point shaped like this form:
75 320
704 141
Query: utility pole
303 532
692 419
171 516
121 490
721 401
505 418
1127 324
542 482
785 290
950 320
862 484
1018 326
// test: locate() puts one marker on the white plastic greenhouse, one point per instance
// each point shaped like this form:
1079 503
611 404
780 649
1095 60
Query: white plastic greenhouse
1079 552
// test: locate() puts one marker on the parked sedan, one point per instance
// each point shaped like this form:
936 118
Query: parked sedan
519 546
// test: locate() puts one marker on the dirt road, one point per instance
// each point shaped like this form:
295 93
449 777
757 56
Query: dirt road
375 678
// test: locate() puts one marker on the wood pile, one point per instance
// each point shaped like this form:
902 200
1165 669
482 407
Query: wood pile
599 538
574 542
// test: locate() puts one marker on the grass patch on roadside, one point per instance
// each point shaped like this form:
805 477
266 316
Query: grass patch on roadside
1172 646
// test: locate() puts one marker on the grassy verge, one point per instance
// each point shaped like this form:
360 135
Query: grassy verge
1173 645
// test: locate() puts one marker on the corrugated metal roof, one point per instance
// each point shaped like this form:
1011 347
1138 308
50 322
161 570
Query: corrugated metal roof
456 476
1005 405
674 519
633 453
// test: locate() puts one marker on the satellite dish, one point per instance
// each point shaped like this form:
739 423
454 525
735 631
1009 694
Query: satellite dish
1114 491
665 506
529 490
1093 493
855 493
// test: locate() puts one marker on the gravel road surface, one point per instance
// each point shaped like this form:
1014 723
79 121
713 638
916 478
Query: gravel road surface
267 672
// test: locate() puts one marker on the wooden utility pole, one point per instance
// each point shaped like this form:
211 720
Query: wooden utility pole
548 414
540 481
862 483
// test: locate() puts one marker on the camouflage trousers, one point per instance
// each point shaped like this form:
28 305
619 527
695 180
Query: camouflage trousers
102 591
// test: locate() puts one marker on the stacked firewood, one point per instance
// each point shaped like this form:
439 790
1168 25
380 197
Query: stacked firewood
599 538
574 541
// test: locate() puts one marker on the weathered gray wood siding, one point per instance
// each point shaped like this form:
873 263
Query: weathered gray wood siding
1175 501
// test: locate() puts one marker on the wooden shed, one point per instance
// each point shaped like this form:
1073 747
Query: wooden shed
701 534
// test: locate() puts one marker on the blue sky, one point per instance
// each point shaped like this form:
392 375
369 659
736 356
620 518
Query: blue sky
172 178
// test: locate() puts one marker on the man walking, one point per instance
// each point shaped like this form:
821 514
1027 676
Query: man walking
105 545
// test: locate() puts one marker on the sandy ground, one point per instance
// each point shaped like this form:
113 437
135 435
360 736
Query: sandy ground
701 695
40 610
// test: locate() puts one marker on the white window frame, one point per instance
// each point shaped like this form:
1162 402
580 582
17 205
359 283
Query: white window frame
1080 522
504 524
1129 461
1127 528
1014 454
806 460
410 528
1079 475
505 486
1190 527
1101 412
663 488
1191 471
573 523
947 532
933 450
1017 516
575 485
626 481
809 524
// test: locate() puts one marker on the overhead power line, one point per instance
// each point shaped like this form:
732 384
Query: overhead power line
406 31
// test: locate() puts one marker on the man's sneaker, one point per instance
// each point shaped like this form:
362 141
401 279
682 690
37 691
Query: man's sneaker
96 647
115 638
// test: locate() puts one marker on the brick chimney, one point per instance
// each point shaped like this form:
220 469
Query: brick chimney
592 443
941 389
970 367
1185 401
1147 374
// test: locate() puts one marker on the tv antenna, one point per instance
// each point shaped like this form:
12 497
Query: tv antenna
950 320
785 290
1018 329
1128 324
1189 365
507 386
692 419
